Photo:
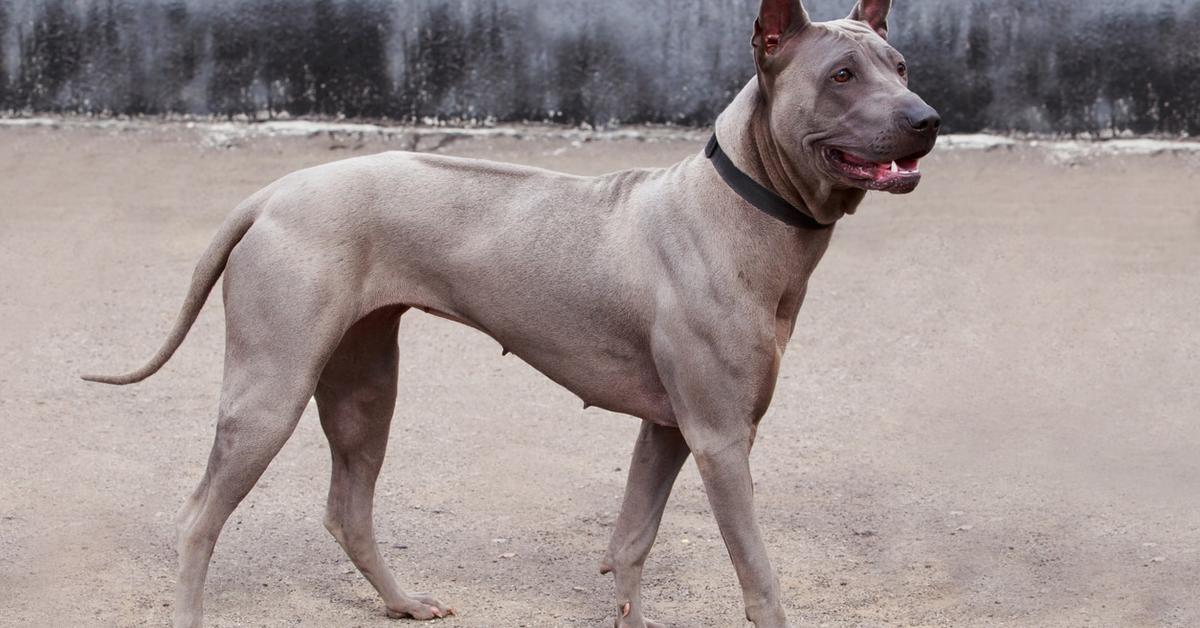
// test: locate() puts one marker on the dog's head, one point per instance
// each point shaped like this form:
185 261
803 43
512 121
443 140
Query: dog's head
838 99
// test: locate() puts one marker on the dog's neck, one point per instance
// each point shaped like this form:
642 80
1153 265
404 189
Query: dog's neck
744 131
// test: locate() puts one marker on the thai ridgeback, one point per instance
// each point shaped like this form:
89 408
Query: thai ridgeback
666 294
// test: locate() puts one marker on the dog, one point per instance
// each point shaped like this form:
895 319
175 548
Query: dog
669 295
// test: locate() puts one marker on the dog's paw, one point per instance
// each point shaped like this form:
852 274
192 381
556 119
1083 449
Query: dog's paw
635 621
419 606
646 623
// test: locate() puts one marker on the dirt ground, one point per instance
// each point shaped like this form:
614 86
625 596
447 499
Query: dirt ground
989 414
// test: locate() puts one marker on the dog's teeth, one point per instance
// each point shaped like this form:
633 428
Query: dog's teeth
895 168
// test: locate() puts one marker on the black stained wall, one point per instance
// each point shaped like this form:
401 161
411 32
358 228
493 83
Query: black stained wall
1048 66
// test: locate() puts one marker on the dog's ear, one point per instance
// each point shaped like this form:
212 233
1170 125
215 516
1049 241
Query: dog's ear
874 13
777 21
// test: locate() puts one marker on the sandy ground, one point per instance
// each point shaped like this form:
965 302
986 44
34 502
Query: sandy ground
989 415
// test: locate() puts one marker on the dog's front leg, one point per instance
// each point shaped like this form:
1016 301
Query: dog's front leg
659 454
720 373
725 468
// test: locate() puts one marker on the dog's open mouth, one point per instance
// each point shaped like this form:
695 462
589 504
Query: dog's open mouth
898 177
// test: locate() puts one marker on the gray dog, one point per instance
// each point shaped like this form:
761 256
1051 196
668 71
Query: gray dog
668 295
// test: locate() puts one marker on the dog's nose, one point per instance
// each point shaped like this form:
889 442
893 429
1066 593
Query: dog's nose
924 119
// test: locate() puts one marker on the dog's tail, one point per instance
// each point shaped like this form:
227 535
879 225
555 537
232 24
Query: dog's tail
208 270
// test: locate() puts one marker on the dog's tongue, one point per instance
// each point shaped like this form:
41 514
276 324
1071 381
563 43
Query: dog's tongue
884 172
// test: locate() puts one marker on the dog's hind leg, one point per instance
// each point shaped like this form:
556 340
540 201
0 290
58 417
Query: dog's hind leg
356 396
657 457
277 343
256 418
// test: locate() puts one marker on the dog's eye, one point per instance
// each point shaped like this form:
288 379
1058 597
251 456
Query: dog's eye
842 76
902 69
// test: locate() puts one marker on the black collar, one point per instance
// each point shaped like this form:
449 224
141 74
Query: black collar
754 193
